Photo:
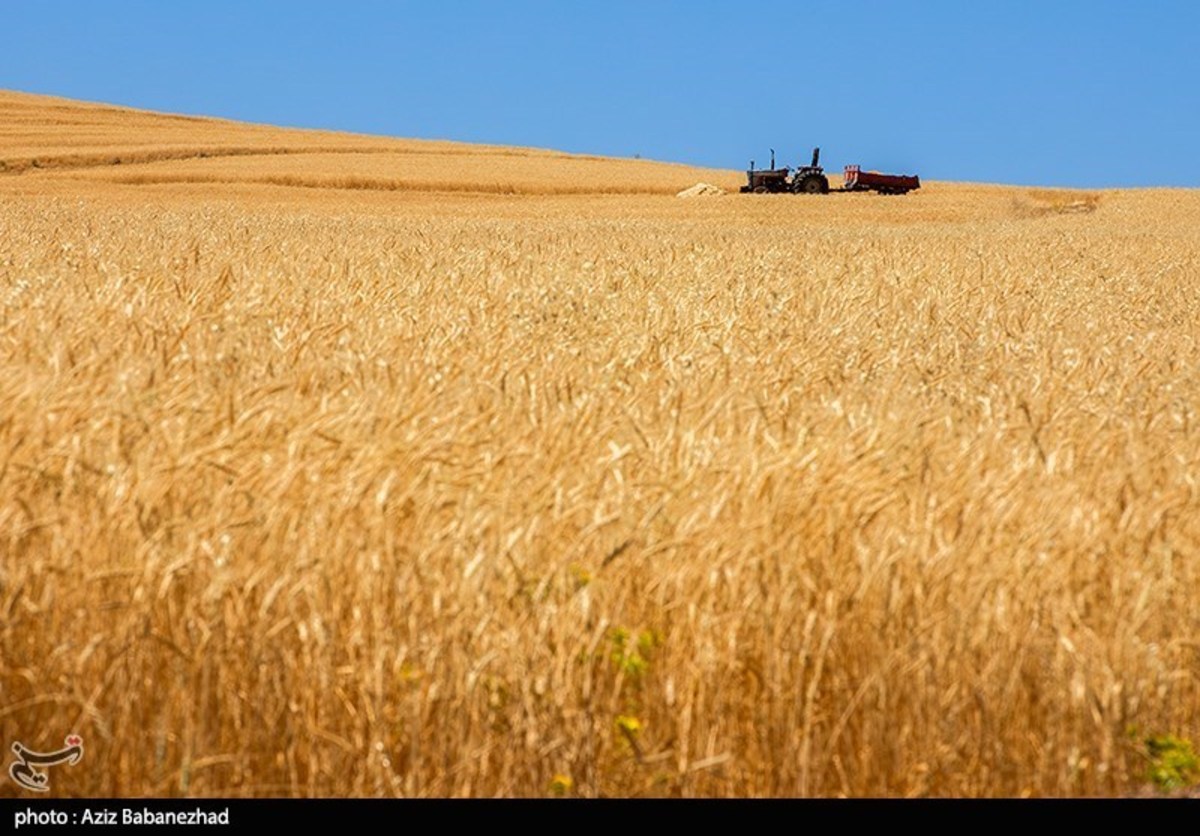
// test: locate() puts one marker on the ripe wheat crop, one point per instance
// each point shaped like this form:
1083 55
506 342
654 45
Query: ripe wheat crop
334 465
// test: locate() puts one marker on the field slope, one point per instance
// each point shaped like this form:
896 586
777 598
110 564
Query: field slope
334 464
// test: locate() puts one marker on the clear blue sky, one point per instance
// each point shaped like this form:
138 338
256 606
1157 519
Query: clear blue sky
1066 92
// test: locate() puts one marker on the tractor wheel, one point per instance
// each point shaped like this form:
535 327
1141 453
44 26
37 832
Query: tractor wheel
812 184
761 190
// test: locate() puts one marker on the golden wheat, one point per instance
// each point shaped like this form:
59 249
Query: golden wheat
449 474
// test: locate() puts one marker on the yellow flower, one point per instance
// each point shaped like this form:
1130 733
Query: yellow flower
630 725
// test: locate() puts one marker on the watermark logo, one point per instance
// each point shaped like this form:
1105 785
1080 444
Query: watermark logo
25 769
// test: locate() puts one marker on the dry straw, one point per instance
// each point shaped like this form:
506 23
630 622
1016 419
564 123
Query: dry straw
324 491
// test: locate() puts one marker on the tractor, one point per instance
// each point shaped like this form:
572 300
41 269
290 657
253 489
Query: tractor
805 179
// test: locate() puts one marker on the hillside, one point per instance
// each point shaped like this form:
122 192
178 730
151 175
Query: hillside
73 141
343 465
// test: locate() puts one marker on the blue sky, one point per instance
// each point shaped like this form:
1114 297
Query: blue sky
1068 93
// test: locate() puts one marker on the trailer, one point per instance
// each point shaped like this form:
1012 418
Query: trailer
857 180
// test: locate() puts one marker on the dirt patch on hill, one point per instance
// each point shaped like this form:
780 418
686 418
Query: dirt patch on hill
1041 202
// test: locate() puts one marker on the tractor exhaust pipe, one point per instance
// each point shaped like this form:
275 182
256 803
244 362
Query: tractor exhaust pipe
816 157
772 159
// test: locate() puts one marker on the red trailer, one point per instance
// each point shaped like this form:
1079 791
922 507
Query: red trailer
857 180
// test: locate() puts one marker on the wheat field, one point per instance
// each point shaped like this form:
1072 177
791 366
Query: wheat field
337 465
